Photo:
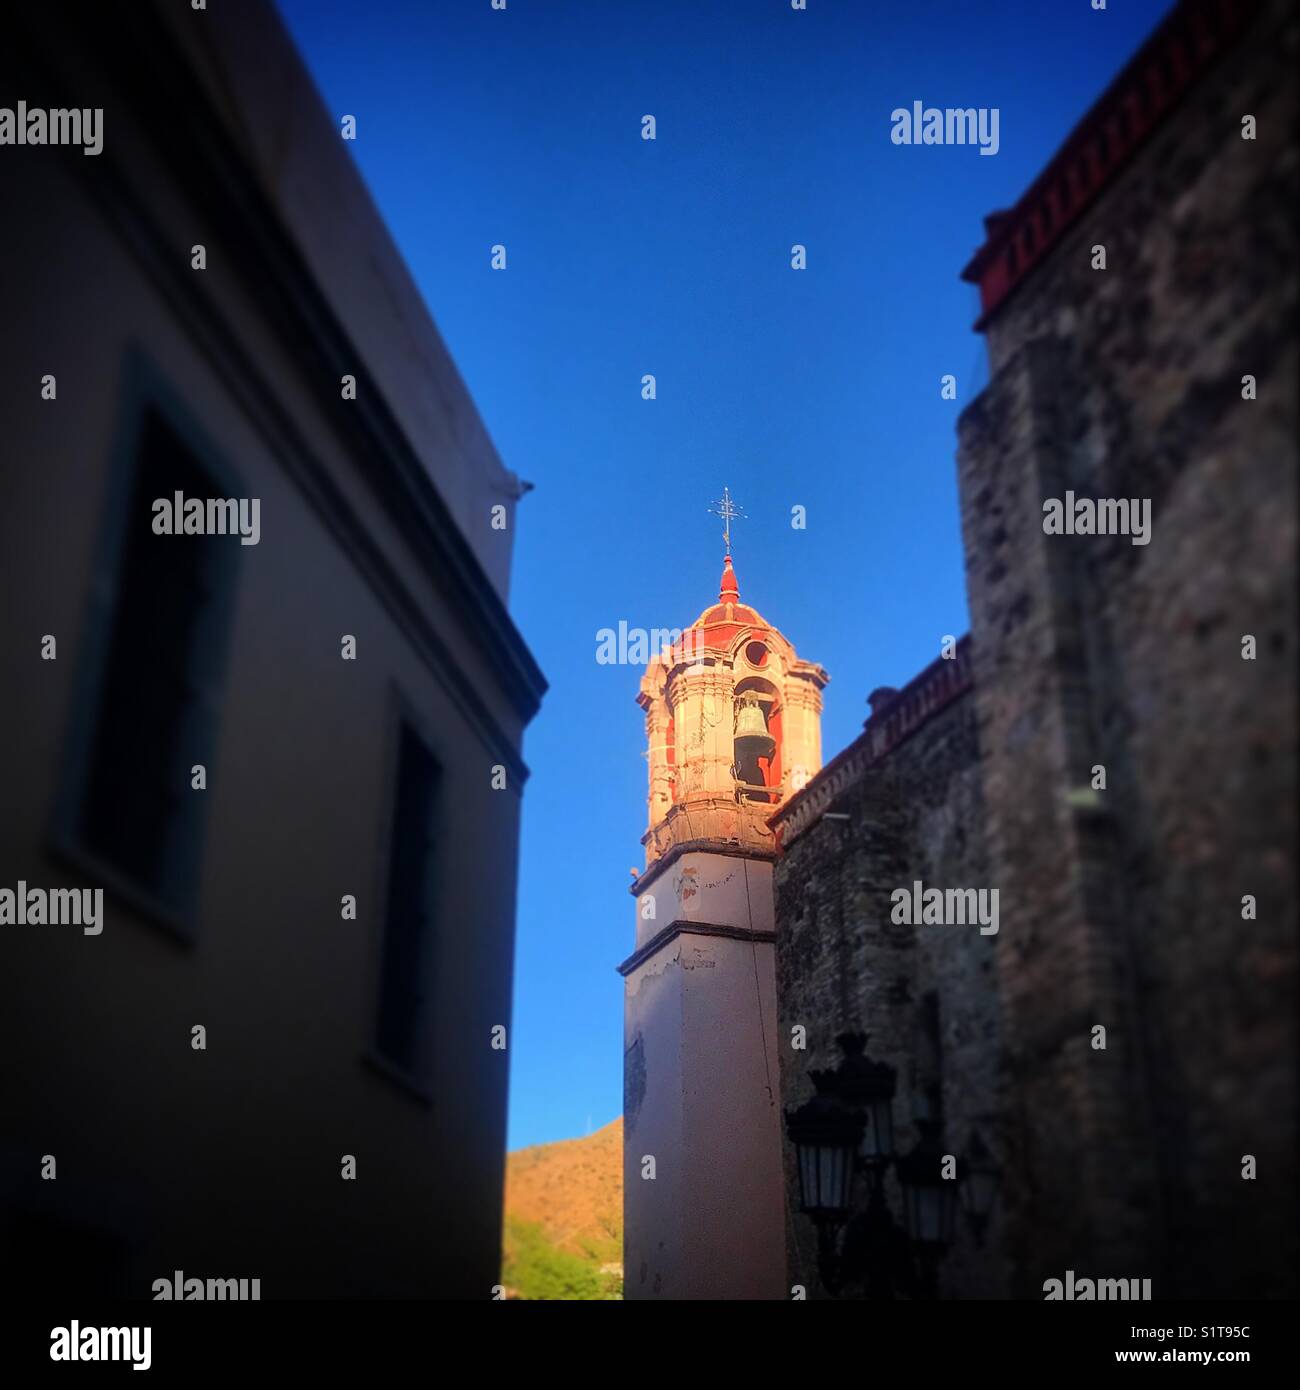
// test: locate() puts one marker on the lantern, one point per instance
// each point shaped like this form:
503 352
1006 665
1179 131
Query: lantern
826 1135
979 1188
929 1199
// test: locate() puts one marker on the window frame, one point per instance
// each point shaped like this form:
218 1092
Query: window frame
143 389
403 715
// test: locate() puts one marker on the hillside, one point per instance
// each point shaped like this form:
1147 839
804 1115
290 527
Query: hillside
564 1218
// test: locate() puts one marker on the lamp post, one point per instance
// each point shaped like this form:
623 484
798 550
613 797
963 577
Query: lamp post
848 1127
869 1087
980 1189
929 1202
826 1134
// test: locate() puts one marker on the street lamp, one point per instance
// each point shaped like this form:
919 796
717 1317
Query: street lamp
870 1087
849 1126
929 1202
929 1198
980 1189
826 1135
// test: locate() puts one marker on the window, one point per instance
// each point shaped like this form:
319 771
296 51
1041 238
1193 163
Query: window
152 674
404 964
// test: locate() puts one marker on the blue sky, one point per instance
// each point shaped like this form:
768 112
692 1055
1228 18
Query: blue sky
818 387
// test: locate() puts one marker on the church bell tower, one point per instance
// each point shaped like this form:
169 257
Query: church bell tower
733 727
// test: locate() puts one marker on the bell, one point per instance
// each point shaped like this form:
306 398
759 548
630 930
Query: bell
752 737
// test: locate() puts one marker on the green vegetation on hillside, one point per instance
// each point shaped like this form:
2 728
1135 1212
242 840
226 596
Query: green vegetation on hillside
534 1268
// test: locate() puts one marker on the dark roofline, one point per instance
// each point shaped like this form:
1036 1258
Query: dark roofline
1186 43
140 57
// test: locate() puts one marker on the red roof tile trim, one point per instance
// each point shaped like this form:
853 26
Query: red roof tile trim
1186 43
892 722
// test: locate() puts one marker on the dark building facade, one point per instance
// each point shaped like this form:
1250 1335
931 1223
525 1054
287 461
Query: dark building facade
1113 748
289 760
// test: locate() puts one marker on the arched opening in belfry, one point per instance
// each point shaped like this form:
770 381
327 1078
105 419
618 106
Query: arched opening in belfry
757 766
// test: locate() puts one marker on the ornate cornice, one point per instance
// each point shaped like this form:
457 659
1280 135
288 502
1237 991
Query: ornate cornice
675 929
704 844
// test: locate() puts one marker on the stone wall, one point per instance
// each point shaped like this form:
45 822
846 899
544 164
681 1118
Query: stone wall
1092 651
842 965
1094 657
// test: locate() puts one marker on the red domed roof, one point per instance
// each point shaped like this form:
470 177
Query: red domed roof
740 613
719 630
727 618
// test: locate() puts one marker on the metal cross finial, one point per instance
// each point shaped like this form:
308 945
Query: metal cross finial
729 512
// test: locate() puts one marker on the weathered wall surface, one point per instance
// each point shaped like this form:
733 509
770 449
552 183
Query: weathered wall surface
843 965
1121 907
700 1092
1093 651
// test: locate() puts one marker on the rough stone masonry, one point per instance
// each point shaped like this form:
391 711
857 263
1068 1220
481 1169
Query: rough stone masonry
1123 906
